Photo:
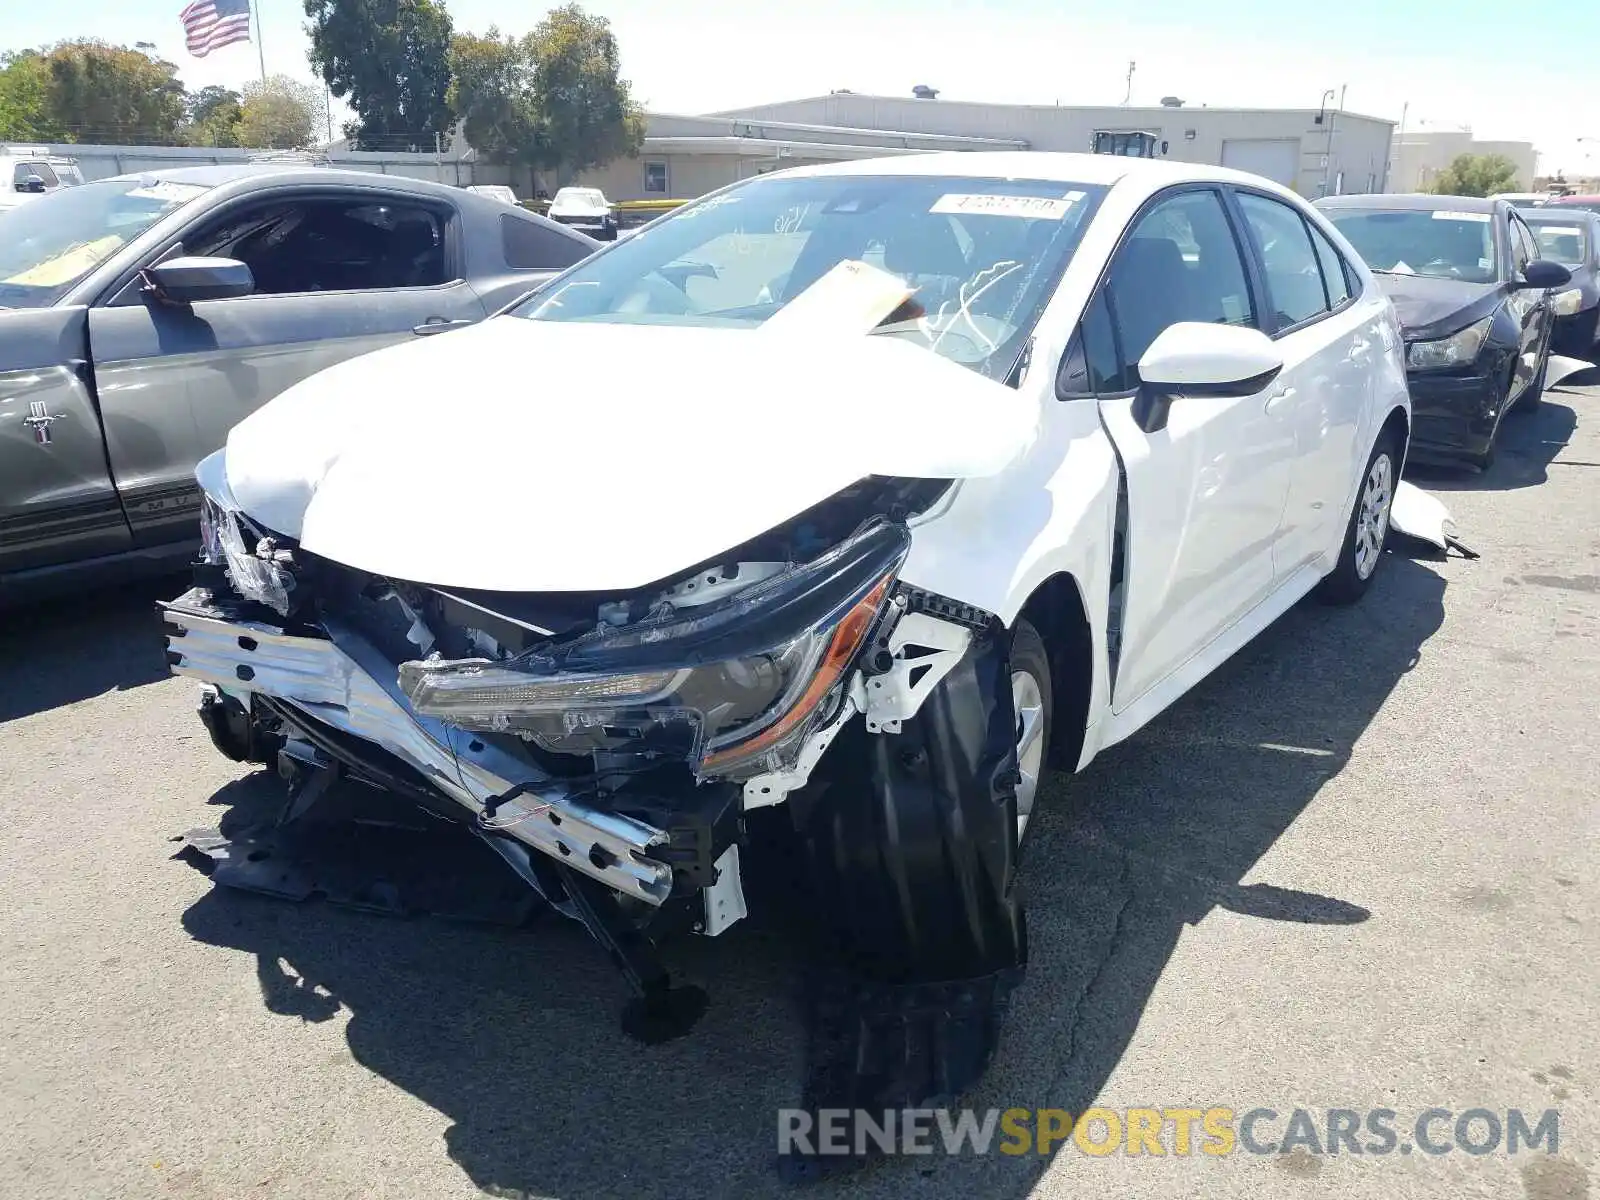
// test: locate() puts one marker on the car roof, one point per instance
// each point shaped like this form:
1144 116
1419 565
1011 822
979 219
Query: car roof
1560 200
222 174
1546 215
1421 201
1049 166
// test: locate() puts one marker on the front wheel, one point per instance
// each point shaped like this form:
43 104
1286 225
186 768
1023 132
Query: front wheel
1368 532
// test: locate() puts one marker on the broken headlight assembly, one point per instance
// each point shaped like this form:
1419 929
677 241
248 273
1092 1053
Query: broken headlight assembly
734 686
228 539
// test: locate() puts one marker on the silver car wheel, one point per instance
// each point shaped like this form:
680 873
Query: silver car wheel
1028 702
1377 494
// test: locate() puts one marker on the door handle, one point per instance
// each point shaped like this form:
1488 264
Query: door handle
438 325
1277 399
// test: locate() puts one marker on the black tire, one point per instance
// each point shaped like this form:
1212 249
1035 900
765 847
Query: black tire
911 839
1346 584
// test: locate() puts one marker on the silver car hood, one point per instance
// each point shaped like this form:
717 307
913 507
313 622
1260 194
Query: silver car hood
520 455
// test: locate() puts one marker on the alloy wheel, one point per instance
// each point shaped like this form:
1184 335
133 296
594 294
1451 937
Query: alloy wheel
1028 702
1377 494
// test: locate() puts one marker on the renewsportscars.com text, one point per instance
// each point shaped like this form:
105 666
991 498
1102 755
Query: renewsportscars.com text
1160 1132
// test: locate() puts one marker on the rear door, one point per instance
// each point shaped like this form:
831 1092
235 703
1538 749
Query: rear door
57 503
1206 491
1327 347
338 273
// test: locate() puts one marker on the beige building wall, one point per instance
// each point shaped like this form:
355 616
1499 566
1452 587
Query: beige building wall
1420 155
1345 147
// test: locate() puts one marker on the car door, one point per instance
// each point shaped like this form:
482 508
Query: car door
1531 307
1326 385
57 502
1205 493
338 273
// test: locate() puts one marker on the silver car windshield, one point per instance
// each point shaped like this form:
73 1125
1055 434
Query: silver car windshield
47 246
977 257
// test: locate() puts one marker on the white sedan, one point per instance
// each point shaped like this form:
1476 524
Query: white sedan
842 499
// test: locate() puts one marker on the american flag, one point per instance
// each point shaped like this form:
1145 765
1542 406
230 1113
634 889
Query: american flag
212 24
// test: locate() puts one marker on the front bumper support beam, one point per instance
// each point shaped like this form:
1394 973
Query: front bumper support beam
342 681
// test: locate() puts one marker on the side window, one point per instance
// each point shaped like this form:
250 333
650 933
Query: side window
1092 365
1335 274
332 245
530 246
42 170
1294 276
1527 245
1181 263
1522 252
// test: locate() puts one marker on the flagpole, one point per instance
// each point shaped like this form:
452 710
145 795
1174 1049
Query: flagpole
261 53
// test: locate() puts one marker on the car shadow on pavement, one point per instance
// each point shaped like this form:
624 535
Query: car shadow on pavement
68 650
1529 441
512 1034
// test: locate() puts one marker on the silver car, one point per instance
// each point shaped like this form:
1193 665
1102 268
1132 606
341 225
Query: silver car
142 317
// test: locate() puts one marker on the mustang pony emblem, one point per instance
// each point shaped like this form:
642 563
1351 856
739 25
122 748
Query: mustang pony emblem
38 420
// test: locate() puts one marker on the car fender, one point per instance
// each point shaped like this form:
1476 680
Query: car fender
997 539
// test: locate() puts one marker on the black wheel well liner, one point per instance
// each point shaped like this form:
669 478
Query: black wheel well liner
1397 424
1056 609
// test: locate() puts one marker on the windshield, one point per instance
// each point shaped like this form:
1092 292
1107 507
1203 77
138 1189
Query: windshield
1442 243
580 198
977 258
1565 244
49 245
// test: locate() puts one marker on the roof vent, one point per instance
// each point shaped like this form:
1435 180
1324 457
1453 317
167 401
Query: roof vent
923 92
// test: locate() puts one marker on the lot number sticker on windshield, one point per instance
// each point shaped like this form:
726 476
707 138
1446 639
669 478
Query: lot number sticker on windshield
1035 208
1446 215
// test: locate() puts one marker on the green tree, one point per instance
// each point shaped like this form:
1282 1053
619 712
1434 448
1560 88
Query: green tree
391 58
492 90
279 113
24 99
586 113
213 117
1476 175
97 92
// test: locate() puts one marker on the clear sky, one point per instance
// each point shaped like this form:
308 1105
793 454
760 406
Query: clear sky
1519 72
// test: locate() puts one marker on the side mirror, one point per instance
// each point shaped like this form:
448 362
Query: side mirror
1542 274
190 280
32 184
1194 358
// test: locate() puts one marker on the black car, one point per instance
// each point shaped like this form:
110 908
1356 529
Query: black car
1571 237
1473 295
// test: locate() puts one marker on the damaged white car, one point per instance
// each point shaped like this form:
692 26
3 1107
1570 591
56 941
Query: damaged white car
842 500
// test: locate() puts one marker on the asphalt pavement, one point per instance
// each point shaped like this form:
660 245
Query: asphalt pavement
1357 868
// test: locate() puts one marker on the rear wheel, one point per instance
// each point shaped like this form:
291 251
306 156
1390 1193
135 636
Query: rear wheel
1368 532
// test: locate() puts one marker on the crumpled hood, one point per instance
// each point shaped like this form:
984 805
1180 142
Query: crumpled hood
1423 302
526 456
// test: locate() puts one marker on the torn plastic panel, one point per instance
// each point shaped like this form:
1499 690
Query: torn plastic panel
1415 513
732 686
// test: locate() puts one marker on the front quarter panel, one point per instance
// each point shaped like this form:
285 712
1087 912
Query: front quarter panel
1051 512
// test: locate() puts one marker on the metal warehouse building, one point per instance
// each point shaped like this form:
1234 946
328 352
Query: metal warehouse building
1315 152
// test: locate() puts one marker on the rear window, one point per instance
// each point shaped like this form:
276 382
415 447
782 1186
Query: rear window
530 246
